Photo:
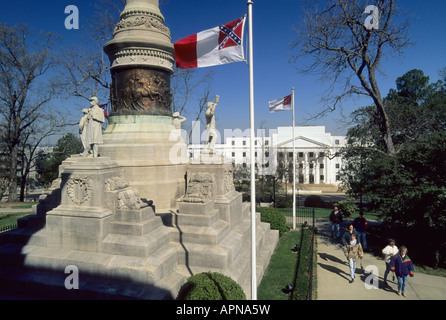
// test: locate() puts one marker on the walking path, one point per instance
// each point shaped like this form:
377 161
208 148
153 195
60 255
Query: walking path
10 210
333 275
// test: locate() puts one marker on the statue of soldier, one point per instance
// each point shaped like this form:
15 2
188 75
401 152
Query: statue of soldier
93 136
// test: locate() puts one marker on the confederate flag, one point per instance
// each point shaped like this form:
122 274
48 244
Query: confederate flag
219 45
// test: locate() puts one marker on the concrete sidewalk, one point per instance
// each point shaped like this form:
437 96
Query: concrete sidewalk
10 210
333 275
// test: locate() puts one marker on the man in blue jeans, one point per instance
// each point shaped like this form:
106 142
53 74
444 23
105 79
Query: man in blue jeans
360 225
335 220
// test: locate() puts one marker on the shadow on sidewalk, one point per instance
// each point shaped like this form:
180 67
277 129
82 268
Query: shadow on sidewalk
335 270
329 257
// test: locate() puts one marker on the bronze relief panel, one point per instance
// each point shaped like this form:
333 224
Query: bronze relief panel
141 91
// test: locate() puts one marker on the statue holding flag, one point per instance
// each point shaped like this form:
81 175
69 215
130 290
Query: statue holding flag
210 124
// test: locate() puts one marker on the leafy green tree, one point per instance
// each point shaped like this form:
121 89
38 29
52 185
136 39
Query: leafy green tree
240 177
48 167
409 187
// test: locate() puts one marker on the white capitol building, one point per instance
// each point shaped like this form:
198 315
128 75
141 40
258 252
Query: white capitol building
317 159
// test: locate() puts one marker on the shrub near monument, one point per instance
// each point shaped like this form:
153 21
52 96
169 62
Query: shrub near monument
211 286
275 218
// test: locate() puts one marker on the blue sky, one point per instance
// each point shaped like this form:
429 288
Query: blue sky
274 75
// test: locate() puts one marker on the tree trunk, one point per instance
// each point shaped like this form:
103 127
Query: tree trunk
384 126
22 187
13 175
384 121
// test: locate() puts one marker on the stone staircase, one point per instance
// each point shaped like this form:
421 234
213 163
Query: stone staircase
226 250
155 252
162 257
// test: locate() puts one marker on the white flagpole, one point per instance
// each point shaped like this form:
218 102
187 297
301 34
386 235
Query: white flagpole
294 167
253 182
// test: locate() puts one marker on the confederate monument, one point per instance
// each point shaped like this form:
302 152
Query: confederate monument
132 222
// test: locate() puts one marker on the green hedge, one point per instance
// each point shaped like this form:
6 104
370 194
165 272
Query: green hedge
211 286
275 218
314 201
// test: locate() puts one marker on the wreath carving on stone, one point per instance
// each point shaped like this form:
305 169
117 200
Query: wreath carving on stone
79 190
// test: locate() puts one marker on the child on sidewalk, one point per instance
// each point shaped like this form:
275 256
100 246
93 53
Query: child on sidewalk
353 252
388 252
402 266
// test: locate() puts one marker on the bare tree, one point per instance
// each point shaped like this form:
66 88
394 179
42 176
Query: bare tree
184 83
344 50
50 123
86 73
87 68
26 88
202 103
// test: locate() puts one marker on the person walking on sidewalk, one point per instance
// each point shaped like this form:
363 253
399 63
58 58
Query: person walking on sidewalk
360 224
347 236
402 266
335 221
389 252
353 252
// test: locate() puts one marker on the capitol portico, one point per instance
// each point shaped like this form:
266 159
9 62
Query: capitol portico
316 153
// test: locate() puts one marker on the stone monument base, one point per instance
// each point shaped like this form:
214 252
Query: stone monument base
152 154
120 246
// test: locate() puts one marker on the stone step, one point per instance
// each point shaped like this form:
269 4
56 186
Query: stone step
204 256
179 219
237 238
31 221
164 260
144 270
139 246
264 256
28 235
39 284
174 280
114 267
141 215
245 252
135 228
199 234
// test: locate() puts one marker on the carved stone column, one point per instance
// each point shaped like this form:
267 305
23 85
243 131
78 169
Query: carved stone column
141 58
140 135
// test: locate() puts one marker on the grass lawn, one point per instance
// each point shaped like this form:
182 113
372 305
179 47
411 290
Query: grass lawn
10 218
287 267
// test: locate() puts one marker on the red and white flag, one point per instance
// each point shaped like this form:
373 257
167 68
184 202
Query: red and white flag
281 104
219 45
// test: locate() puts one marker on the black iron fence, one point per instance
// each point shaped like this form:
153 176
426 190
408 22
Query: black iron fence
7 228
304 216
310 282
305 219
